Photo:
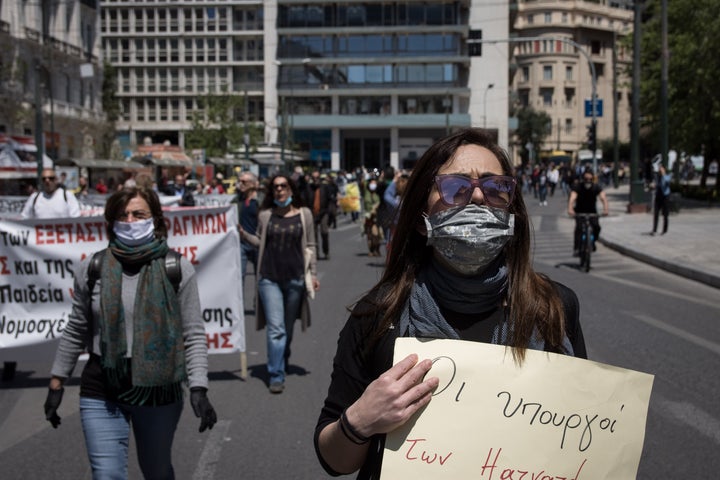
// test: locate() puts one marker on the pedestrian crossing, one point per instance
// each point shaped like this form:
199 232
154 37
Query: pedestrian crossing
552 244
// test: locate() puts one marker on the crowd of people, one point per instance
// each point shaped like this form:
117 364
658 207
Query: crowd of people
457 265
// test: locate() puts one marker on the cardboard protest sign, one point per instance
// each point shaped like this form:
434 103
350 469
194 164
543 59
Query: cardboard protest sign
554 417
38 258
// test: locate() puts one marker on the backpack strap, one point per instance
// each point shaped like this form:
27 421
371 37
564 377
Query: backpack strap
173 269
94 269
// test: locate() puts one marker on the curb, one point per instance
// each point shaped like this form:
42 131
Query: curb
687 272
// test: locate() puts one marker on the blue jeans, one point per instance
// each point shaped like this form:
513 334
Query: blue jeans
281 303
106 426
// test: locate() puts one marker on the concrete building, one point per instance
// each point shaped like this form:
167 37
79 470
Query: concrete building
49 57
351 83
552 75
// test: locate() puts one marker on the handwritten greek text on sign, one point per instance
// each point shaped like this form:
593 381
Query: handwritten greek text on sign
554 417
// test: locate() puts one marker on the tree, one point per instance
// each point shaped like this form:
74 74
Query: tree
533 128
214 127
693 70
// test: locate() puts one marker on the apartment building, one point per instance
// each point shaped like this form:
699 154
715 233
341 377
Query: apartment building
49 57
552 74
350 83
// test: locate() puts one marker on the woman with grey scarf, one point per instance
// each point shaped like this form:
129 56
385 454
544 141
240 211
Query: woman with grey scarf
460 268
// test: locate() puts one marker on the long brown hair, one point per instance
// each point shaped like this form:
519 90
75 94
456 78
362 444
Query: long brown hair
532 300
268 201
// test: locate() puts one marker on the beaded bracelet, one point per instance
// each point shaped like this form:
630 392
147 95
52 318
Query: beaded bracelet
354 436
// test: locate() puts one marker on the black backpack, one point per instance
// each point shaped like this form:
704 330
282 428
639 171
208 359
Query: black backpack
172 269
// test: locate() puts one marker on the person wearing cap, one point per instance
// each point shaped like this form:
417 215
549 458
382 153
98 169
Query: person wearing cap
53 201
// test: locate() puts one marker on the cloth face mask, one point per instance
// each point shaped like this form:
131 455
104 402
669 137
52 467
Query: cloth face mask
469 238
137 233
287 202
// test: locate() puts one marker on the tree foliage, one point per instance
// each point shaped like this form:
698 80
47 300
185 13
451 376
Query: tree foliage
533 128
693 99
214 127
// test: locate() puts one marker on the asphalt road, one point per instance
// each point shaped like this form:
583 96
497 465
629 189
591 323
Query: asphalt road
634 316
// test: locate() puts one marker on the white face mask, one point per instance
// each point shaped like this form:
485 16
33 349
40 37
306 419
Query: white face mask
137 233
372 187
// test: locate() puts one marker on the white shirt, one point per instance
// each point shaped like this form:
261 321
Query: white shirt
57 205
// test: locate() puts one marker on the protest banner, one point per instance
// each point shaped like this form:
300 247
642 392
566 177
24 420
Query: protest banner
555 417
40 256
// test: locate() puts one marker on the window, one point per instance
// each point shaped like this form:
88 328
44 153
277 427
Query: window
547 96
547 72
568 72
548 17
564 17
525 74
530 19
568 125
569 97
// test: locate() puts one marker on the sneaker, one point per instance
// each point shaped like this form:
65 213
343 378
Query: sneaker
277 387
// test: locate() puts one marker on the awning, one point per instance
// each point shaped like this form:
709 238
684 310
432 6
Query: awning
104 163
230 161
164 161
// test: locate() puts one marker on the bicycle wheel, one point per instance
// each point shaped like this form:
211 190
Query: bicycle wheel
588 249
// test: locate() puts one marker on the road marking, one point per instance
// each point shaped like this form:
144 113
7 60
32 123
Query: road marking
698 341
688 414
661 291
211 453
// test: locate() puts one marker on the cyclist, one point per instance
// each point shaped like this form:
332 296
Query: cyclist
583 199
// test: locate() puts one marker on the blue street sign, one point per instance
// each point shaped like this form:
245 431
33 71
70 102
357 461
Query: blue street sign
598 108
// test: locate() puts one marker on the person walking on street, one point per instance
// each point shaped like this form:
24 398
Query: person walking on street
146 338
662 199
371 229
178 189
322 197
248 204
583 199
460 268
52 202
287 272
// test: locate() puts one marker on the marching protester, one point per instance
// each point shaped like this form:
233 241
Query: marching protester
53 201
460 268
136 310
286 272
248 204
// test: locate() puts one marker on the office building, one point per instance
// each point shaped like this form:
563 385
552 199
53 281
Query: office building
350 83
551 74
49 57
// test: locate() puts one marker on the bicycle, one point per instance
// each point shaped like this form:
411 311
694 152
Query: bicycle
587 239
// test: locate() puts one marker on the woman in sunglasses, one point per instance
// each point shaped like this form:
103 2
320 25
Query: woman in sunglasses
286 271
460 268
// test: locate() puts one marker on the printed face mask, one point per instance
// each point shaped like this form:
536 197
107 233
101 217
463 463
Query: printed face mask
470 237
137 233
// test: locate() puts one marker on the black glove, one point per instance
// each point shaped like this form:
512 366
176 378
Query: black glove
202 408
52 403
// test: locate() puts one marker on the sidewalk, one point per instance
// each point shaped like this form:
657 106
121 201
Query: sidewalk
689 248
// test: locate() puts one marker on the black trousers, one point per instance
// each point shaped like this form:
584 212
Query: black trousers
661 204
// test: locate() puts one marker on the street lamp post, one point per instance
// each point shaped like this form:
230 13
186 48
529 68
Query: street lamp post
491 85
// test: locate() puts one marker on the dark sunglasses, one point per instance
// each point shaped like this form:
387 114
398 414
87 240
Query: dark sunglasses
52 179
280 186
457 190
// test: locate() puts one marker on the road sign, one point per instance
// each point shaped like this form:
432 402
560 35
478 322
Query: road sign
598 107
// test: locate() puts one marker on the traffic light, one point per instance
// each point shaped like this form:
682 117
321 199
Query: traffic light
591 138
